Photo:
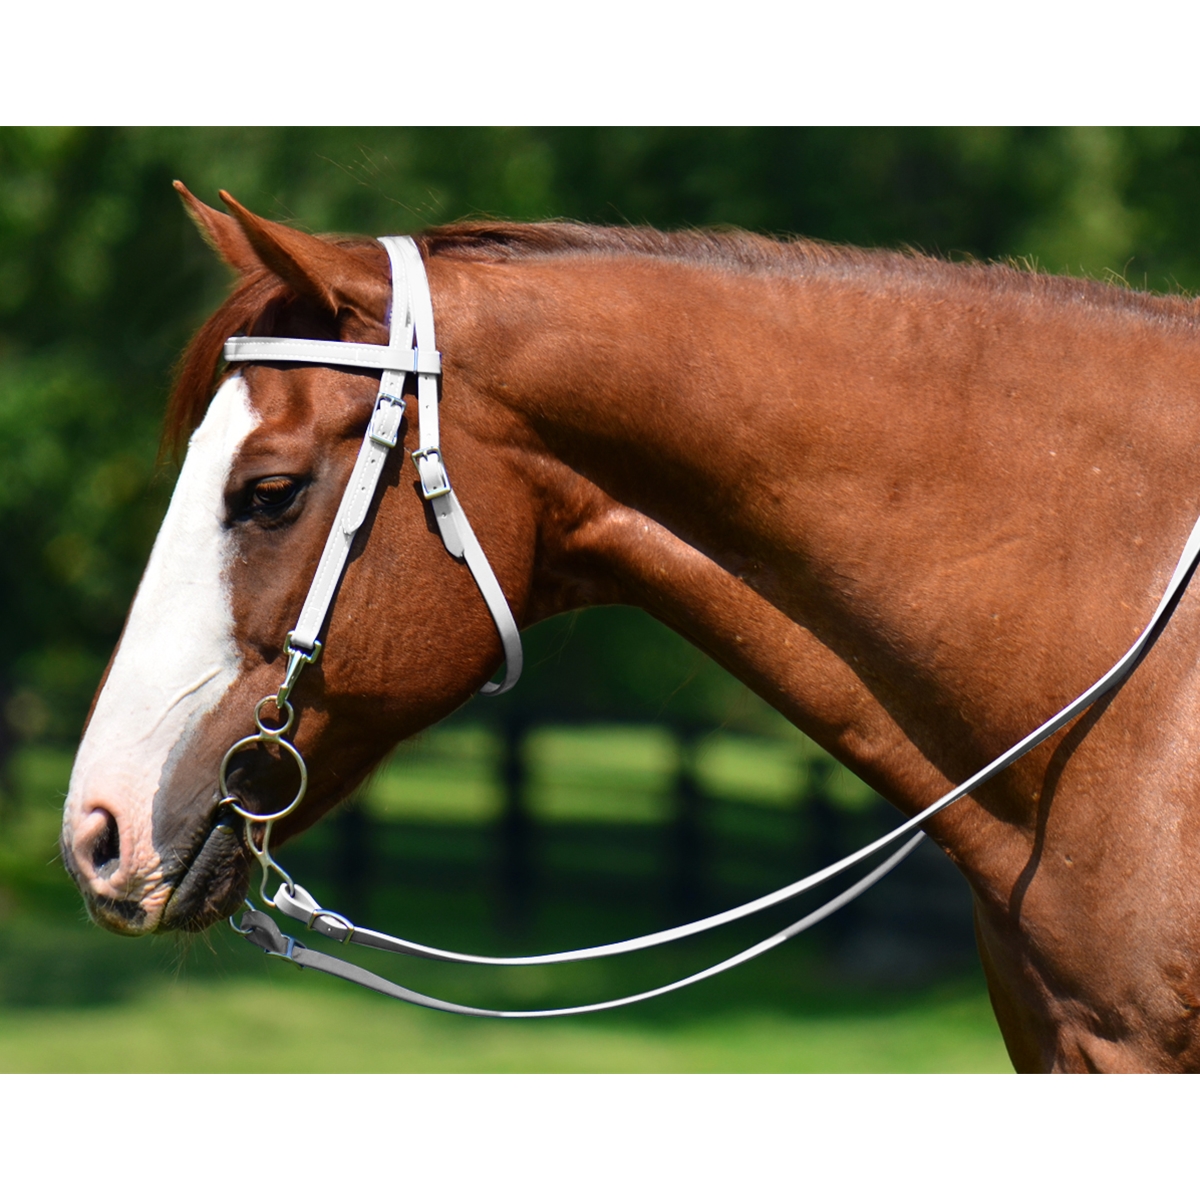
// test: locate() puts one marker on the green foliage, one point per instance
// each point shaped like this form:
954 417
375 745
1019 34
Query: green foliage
102 279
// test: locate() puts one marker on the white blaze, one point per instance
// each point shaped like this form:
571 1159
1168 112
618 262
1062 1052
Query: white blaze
177 657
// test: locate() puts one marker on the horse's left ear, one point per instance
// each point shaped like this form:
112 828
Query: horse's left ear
336 277
221 232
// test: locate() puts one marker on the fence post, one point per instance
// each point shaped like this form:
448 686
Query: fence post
516 828
687 849
353 859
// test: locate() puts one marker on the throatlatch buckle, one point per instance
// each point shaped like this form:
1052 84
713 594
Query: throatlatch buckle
385 422
434 481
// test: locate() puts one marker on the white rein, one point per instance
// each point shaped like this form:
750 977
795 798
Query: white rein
411 351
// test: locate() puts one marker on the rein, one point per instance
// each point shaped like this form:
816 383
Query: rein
411 350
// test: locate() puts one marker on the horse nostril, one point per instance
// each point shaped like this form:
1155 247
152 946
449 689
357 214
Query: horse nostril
106 850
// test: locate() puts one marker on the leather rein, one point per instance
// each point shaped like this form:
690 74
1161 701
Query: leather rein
411 351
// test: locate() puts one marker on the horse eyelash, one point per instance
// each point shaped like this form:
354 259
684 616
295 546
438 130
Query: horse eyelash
252 507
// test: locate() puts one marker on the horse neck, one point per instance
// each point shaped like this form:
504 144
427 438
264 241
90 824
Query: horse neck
916 515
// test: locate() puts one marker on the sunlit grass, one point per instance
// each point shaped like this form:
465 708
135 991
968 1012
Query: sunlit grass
618 773
307 1024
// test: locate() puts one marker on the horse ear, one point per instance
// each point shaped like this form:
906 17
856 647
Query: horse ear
222 233
336 277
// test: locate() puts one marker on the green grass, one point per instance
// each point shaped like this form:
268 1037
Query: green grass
73 998
308 1024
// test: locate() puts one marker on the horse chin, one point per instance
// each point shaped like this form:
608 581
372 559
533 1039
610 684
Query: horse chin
212 887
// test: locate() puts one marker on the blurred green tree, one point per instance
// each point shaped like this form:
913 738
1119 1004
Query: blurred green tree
102 280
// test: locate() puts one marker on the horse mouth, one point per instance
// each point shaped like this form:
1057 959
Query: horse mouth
215 874
212 885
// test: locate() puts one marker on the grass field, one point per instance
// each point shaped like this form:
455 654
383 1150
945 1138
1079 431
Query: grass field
307 1024
75 999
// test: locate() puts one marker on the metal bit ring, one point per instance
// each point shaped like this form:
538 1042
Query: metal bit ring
233 802
285 710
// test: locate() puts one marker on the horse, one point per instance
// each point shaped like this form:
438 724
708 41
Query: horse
915 505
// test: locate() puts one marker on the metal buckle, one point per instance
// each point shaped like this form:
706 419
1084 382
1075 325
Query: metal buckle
436 483
291 946
329 915
298 659
309 656
385 422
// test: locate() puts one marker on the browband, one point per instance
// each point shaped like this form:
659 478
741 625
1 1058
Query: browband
333 354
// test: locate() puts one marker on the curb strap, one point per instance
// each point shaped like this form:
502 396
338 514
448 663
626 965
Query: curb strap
411 350
261 931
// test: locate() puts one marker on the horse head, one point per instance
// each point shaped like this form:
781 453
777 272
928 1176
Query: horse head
267 461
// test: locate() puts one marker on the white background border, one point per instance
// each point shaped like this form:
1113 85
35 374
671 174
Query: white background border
576 1137
596 1137
620 62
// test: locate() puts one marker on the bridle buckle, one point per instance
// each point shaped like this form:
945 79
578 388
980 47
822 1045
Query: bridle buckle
434 481
385 421
288 951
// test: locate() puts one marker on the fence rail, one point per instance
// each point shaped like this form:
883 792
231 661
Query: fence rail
629 825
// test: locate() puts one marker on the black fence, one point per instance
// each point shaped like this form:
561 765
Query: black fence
522 874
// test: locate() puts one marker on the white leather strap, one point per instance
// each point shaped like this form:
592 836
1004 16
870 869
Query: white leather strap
408 265
382 434
456 532
457 535
259 929
397 357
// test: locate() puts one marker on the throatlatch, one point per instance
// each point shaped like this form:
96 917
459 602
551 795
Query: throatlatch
411 351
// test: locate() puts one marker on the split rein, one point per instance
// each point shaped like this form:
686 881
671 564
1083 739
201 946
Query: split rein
411 352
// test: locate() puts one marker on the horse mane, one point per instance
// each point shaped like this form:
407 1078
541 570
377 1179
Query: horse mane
260 295
737 249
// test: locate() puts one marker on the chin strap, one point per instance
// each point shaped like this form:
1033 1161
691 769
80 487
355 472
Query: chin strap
411 350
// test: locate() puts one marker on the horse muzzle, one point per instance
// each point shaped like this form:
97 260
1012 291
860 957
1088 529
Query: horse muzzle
128 887
118 874
214 884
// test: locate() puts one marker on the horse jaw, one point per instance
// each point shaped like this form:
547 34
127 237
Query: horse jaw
176 659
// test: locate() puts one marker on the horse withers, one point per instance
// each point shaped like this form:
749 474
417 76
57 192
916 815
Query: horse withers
917 506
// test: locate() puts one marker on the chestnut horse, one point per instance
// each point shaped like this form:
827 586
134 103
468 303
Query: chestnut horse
916 506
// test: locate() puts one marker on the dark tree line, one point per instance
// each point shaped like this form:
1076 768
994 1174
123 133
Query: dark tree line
102 280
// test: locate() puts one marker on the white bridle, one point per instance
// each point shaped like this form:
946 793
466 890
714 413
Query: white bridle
411 350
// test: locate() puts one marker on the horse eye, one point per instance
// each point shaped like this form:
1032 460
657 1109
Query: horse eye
273 495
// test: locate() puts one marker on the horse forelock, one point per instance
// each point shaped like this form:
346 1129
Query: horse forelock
259 304
198 371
